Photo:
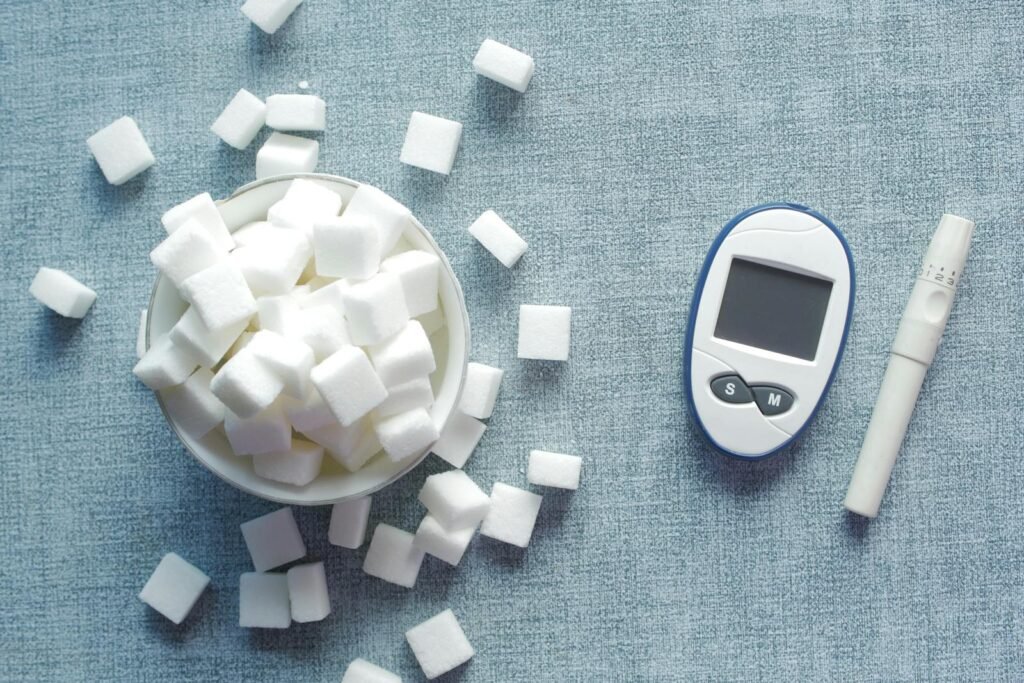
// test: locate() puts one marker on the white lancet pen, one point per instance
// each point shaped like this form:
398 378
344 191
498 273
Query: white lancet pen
917 339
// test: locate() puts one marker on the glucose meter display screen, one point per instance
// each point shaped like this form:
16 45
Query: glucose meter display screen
773 309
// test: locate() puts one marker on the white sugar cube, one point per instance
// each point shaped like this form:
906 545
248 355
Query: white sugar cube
323 329
269 15
317 200
289 359
220 295
296 112
498 238
203 211
419 272
251 233
459 437
263 601
164 365
454 499
273 539
544 332
273 266
307 589
416 393
504 64
359 450
297 466
375 309
431 143
444 544
480 390
61 293
140 338
432 322
439 644
362 671
241 120
348 522
392 556
406 434
512 515
186 251
331 294
339 441
557 470
404 357
349 384
268 431
245 385
346 249
208 346
174 587
371 206
277 313
283 153
308 413
121 151
193 406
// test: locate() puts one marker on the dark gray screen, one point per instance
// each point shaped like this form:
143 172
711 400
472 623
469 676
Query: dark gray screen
773 309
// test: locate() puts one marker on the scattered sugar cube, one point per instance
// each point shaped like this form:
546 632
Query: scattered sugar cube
406 434
263 601
432 322
362 671
208 346
296 112
480 390
61 293
268 431
308 413
220 295
419 272
444 544
174 587
348 384
375 309
269 15
187 251
431 142
121 151
392 556
348 522
203 210
416 393
273 265
283 153
193 406
498 238
554 469
245 385
241 120
273 539
307 589
346 249
512 515
404 357
459 438
544 332
371 206
297 466
454 499
164 364
289 359
277 313
504 64
140 338
439 644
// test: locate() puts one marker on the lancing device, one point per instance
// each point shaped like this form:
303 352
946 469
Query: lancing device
917 339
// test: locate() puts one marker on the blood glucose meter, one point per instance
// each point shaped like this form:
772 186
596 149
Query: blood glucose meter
767 328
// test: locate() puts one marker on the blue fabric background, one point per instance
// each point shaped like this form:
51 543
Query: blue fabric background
647 126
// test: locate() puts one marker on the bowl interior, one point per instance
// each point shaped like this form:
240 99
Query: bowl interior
451 344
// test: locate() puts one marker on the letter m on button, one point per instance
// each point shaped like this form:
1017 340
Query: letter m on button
774 399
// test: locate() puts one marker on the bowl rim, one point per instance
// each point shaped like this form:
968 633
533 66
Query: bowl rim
413 463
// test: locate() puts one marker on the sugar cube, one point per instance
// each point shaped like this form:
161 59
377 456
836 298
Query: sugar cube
544 332
512 515
431 142
330 294
404 357
268 431
193 406
245 385
415 393
296 112
273 539
348 384
269 15
273 265
348 522
406 434
459 437
203 211
297 466
263 601
307 589
289 359
346 249
362 449
121 151
251 233
439 644
432 322
283 153
164 364
140 338
362 671
392 556
220 295
498 238
277 313
308 413
339 441
371 206
61 293
454 499
480 390
241 120
186 251
504 64
208 346
375 309
557 470
419 272
174 587
448 545
314 199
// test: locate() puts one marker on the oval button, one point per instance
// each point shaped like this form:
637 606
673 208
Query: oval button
772 400
731 389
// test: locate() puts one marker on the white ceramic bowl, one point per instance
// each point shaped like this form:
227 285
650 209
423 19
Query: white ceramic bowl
451 350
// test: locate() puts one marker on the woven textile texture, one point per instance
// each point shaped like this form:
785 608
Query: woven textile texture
646 127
